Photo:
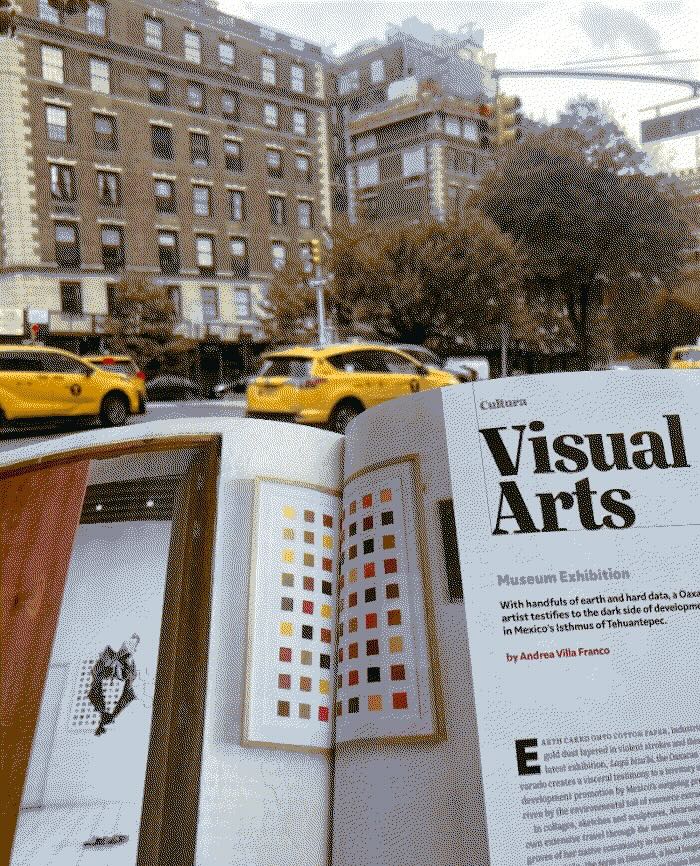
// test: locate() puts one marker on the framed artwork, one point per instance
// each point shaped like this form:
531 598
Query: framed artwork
288 698
388 682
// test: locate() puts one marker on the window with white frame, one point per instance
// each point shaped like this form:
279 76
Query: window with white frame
297 44
413 161
108 188
365 142
278 211
199 149
204 245
376 71
470 131
239 259
192 45
164 192
113 258
106 132
201 201
270 114
96 19
299 122
232 155
67 245
297 78
303 166
99 75
168 252
304 214
210 303
268 69
195 96
367 173
158 88
266 33
237 205
229 104
349 81
241 299
274 162
279 256
227 53
56 123
62 182
453 126
52 64
153 33
48 13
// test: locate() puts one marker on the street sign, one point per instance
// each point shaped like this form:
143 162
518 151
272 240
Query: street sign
670 125
317 284
41 317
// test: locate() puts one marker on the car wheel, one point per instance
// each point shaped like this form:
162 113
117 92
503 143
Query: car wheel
343 414
114 411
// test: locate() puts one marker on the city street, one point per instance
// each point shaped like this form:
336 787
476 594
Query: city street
16 437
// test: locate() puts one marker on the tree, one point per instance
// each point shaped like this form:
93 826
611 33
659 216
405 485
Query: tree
141 325
596 240
440 285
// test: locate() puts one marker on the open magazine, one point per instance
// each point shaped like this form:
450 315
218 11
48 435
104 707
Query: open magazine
459 636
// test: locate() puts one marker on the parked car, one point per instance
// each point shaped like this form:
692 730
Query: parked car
120 364
43 382
331 385
430 359
173 388
685 358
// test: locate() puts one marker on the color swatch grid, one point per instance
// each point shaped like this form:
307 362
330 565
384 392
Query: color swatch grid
294 613
377 686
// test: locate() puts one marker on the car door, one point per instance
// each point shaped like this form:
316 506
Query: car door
21 391
360 377
401 375
69 385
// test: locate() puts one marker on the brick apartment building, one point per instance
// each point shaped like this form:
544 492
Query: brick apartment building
177 144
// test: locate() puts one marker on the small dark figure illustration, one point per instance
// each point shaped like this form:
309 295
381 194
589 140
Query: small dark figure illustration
113 665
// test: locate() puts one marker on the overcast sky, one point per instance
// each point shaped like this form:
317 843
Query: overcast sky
527 34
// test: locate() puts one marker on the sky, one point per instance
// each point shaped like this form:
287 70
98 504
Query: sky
527 35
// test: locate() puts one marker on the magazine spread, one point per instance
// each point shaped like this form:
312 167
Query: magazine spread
458 637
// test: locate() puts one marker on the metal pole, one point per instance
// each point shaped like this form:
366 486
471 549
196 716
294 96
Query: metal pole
504 325
320 305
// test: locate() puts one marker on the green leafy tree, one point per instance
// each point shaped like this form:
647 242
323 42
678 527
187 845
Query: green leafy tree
141 325
598 242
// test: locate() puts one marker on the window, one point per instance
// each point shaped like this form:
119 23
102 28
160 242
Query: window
153 33
195 96
162 142
365 142
303 167
62 182
48 13
108 188
279 256
227 53
56 123
278 216
349 81
470 131
201 201
169 252
205 252
453 126
376 71
304 214
232 155
52 64
413 161
99 75
105 132
241 298
229 104
210 304
67 246
299 122
270 114
394 363
298 79
268 69
192 44
266 33
237 205
239 263
176 300
273 160
112 296
297 44
158 89
71 299
199 148
367 173
112 248
97 19
164 191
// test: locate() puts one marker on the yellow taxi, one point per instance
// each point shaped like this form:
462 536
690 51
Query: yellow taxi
685 358
121 364
43 382
331 385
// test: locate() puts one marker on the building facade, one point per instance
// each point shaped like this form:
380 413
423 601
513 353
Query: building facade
177 145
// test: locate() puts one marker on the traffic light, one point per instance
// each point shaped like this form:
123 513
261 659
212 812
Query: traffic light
315 245
507 120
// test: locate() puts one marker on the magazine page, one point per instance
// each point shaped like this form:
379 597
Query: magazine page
184 707
577 503
407 774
